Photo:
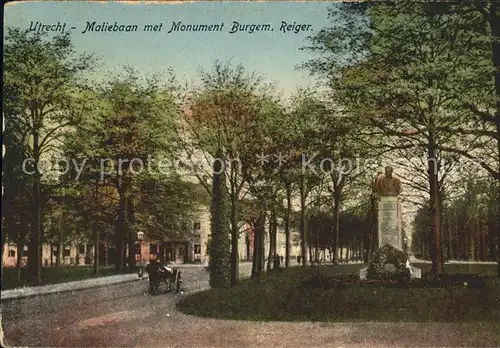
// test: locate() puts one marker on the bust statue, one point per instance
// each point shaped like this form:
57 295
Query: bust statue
387 185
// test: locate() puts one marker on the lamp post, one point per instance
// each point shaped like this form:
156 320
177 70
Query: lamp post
140 238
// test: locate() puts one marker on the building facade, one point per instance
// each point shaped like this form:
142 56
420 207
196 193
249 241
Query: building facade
71 255
194 249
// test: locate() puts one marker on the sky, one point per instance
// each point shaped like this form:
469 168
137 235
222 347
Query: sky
274 54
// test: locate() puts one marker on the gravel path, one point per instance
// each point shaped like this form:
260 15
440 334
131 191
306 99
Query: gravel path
123 316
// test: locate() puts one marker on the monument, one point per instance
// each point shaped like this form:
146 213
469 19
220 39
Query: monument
387 189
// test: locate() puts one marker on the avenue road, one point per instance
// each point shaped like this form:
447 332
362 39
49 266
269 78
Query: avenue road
124 315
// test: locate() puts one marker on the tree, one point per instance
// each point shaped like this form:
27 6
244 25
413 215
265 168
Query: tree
400 79
220 264
138 121
128 134
477 92
304 140
217 123
41 77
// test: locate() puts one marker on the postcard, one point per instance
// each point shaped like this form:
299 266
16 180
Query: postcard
254 174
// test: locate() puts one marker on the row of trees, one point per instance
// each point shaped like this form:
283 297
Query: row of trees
110 130
425 78
468 224
73 153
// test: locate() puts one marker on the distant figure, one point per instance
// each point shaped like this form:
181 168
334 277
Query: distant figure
387 185
281 258
155 273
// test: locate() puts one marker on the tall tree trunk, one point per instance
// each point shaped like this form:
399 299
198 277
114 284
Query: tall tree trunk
309 246
456 236
275 237
317 248
255 253
341 257
494 20
262 256
51 255
450 238
220 245
2 235
60 246
120 226
247 247
465 233
303 220
362 249
355 248
234 230
34 255
372 232
20 247
336 224
287 224
271 253
434 198
491 231
484 243
130 233
96 232
105 251
96 249
124 255
472 244
258 248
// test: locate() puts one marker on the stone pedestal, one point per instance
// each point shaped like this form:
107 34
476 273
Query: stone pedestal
390 229
389 223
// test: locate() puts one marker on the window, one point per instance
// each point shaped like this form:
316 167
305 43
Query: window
81 249
197 226
153 248
12 253
197 249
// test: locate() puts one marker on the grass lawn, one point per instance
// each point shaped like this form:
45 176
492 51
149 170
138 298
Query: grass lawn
55 275
290 295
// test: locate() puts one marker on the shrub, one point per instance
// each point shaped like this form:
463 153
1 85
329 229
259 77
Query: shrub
384 256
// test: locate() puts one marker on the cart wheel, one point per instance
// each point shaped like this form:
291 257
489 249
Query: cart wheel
177 281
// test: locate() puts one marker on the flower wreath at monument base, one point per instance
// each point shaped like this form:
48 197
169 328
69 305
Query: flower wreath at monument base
388 263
